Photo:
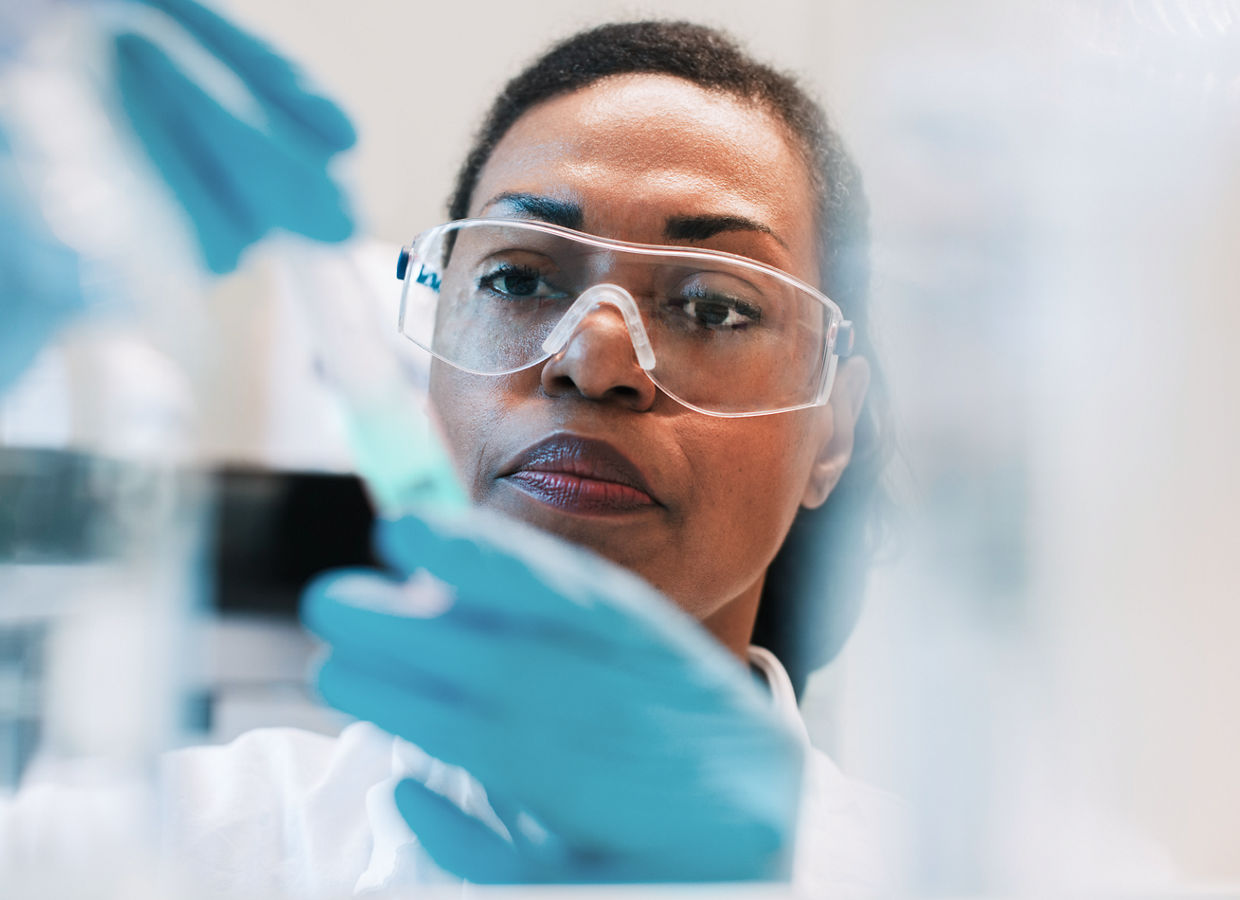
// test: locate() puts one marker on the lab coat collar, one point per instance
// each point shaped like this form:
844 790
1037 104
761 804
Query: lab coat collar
783 696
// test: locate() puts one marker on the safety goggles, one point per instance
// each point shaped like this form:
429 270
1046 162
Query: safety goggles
719 333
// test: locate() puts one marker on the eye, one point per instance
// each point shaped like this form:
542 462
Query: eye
717 312
516 282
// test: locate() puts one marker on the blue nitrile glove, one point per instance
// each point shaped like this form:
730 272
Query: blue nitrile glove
236 180
40 284
616 739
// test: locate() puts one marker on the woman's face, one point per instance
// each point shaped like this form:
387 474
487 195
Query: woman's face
584 445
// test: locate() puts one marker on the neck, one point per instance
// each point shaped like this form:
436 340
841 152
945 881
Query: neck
732 624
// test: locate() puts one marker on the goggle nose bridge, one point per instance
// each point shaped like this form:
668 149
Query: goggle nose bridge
591 299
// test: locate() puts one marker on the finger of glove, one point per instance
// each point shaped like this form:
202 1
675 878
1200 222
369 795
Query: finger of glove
234 181
301 197
500 567
504 567
263 174
316 123
370 617
175 120
423 711
464 846
280 191
447 727
637 853
456 841
40 282
501 564
41 292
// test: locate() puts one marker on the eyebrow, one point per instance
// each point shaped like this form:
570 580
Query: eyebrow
564 213
699 228
568 214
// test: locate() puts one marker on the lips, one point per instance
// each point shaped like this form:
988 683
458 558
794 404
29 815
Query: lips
580 475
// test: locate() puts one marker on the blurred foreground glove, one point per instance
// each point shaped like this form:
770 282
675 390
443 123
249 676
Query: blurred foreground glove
40 283
236 180
617 741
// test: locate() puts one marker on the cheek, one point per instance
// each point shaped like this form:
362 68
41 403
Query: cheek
750 479
470 410
767 463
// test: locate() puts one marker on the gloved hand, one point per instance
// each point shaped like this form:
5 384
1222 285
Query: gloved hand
616 740
40 285
236 180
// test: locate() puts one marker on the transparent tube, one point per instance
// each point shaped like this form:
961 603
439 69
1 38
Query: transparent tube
390 427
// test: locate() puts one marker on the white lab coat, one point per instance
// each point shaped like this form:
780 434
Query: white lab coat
284 812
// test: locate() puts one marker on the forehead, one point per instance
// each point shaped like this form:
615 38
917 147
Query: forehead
636 150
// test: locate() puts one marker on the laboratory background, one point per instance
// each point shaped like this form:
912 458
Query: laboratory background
1047 666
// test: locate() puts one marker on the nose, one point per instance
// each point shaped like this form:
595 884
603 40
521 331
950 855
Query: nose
599 349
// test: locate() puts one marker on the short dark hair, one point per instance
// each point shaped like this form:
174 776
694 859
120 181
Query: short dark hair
827 553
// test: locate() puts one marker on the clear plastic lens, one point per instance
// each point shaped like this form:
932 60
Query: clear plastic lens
729 336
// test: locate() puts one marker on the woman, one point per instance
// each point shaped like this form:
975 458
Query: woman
671 410
557 719
782 167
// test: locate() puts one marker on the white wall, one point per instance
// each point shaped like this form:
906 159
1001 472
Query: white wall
418 77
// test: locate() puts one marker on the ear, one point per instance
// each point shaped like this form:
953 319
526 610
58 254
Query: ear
839 425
